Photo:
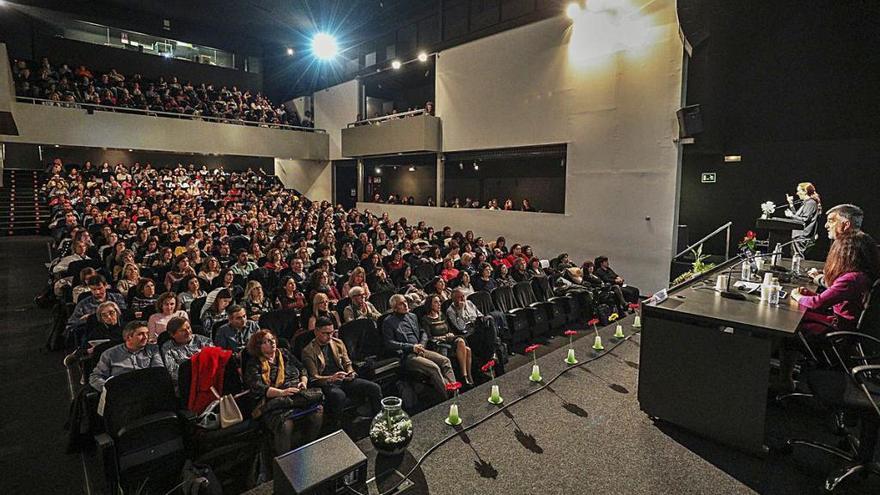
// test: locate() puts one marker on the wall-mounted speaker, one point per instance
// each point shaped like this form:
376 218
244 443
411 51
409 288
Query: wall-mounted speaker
690 121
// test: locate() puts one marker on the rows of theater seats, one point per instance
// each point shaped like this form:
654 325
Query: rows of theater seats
98 216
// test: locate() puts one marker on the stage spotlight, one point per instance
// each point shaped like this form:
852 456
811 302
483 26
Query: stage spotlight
395 64
573 10
290 51
423 57
324 46
412 169
476 167
378 170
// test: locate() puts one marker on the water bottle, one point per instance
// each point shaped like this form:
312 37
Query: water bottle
777 255
796 263
746 271
775 288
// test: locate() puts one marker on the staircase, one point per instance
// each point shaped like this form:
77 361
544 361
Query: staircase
23 208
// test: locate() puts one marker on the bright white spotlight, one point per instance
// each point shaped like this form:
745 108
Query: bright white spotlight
324 46
290 51
378 170
573 10
412 169
395 64
423 57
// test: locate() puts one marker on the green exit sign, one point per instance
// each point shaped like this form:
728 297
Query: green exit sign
707 177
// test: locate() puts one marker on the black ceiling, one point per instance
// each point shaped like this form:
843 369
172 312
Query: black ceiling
245 25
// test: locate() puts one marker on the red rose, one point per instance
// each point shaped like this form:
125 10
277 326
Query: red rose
569 333
489 365
452 387
634 306
532 348
594 321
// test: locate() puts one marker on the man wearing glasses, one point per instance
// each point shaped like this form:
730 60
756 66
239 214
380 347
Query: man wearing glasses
327 362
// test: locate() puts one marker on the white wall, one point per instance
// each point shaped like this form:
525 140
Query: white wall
39 124
335 108
312 178
611 94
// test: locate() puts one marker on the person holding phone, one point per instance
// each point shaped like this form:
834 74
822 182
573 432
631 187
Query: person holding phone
329 367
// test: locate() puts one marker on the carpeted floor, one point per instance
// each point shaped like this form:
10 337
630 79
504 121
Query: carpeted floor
34 386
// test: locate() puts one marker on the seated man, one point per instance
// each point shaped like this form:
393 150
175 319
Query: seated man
181 346
465 319
88 305
242 266
607 275
359 307
326 360
133 354
401 332
236 332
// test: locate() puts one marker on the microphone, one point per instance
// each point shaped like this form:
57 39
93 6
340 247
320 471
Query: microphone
786 205
739 296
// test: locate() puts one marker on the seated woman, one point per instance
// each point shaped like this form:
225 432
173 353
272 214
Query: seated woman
193 291
534 268
320 283
438 287
321 309
210 269
143 299
607 293
166 308
502 277
463 283
435 324
255 302
105 324
520 271
288 295
277 380
181 271
484 281
182 345
851 268
214 310
226 280
357 278
131 275
449 272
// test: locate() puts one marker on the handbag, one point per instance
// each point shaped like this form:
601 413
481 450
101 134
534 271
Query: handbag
230 414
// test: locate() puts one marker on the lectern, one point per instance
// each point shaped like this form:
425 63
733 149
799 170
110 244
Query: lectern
779 227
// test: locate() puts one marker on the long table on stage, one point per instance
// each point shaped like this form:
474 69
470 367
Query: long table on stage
705 359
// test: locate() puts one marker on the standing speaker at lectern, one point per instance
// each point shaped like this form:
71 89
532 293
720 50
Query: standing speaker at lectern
809 211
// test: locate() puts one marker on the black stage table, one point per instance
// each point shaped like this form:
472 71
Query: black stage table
705 359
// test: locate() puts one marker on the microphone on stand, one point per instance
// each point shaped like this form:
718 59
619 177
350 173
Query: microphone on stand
739 296
786 205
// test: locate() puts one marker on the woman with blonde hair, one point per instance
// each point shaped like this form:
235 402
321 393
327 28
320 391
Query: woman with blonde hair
255 301
357 278
321 308
131 275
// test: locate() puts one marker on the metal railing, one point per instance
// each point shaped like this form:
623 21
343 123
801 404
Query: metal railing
154 113
725 227
379 120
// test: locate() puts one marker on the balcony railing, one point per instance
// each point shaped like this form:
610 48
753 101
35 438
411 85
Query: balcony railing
379 120
154 113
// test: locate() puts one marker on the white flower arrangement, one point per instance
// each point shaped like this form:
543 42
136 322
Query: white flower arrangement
391 433
767 208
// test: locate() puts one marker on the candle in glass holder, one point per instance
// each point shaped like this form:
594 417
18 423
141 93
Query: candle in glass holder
495 396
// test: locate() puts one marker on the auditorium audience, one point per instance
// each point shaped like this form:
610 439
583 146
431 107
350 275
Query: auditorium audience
195 230
229 104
